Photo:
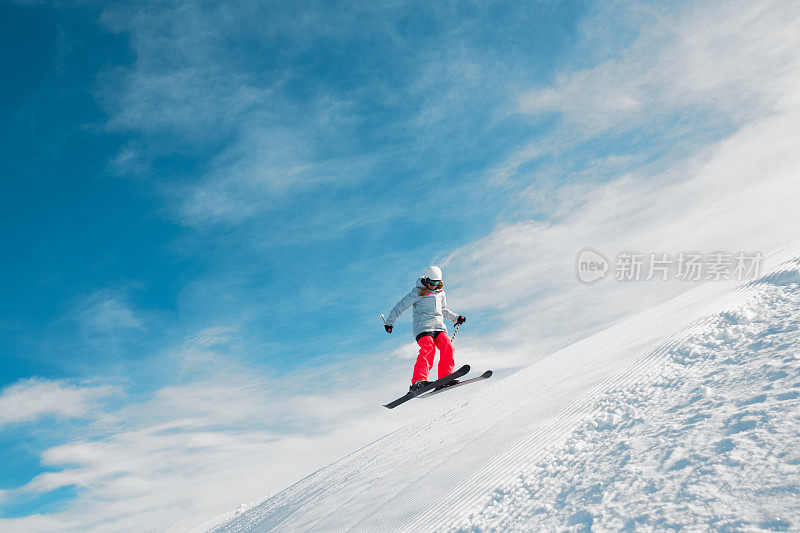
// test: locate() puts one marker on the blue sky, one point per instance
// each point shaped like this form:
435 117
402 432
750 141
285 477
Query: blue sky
310 139
205 207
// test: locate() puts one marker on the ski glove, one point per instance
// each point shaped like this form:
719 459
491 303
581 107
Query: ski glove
461 319
388 329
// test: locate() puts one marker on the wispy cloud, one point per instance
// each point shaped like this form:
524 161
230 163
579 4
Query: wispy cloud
107 312
680 77
207 445
732 191
33 399
192 88
301 105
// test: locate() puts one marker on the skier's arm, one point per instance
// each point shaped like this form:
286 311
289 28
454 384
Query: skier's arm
448 314
401 306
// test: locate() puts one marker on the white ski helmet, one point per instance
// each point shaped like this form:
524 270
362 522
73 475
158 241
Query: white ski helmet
434 273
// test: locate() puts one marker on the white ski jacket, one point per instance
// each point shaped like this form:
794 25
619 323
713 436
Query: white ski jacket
430 310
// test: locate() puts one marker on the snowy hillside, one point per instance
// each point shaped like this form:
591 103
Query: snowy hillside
685 415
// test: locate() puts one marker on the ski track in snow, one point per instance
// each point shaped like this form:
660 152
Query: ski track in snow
686 416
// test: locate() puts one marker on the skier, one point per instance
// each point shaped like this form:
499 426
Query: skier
430 310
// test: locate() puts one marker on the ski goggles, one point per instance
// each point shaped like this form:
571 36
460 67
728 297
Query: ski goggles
433 282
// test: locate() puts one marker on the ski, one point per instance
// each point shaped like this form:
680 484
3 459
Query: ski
430 386
485 375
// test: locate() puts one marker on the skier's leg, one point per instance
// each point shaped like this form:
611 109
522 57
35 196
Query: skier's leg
446 362
424 359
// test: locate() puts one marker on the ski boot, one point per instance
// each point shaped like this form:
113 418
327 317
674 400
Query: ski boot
418 385
448 384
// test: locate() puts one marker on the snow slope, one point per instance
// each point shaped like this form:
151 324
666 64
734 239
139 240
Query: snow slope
686 415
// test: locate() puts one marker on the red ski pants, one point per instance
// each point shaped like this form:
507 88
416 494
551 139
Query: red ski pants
427 350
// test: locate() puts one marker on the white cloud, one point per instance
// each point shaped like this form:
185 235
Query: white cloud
33 399
195 451
683 73
106 312
210 82
246 100
259 173
209 348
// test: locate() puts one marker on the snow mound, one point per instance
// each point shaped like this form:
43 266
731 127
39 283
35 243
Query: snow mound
710 442
685 416
788 274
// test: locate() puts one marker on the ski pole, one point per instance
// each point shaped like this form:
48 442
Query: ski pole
384 320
